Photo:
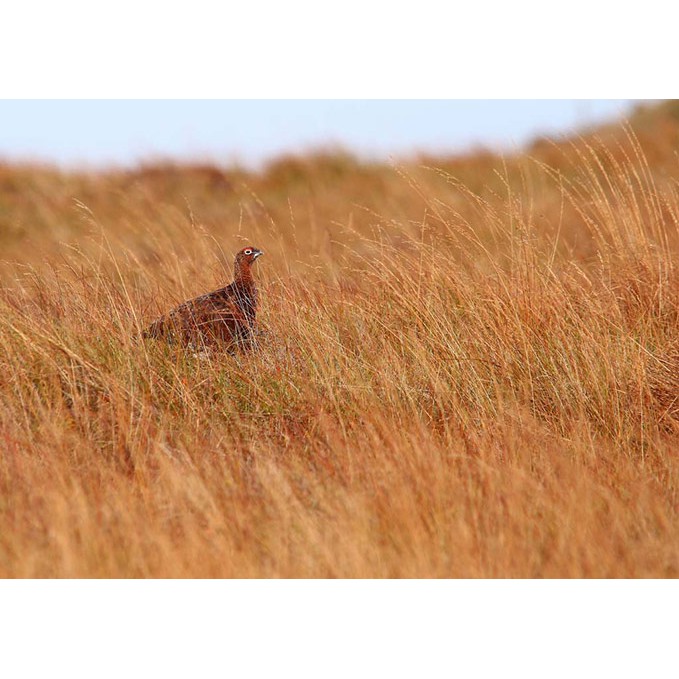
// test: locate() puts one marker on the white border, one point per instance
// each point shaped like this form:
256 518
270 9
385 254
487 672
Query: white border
305 49
338 628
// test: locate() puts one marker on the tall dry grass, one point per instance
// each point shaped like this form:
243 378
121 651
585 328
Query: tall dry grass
469 367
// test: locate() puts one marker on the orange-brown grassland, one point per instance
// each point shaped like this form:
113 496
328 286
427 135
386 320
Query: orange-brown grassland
467 367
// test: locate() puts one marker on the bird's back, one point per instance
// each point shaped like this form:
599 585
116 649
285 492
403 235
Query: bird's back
226 315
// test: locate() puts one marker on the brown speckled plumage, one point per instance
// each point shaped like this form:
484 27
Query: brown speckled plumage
222 317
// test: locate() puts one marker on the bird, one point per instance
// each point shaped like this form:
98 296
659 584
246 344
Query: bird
223 317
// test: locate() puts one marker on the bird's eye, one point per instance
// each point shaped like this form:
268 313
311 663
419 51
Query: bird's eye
248 251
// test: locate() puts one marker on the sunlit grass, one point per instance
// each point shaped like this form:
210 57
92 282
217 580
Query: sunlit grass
453 378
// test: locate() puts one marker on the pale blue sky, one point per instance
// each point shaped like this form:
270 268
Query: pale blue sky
123 132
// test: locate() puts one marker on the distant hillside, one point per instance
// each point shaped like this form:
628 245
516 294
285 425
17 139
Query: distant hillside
38 202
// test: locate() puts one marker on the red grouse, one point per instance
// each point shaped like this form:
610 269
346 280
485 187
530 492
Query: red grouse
222 317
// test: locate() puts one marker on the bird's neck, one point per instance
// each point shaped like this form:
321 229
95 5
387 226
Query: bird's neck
243 276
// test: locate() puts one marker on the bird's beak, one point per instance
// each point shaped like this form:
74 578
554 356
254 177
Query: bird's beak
257 253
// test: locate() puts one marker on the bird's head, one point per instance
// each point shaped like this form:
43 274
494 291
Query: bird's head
245 258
